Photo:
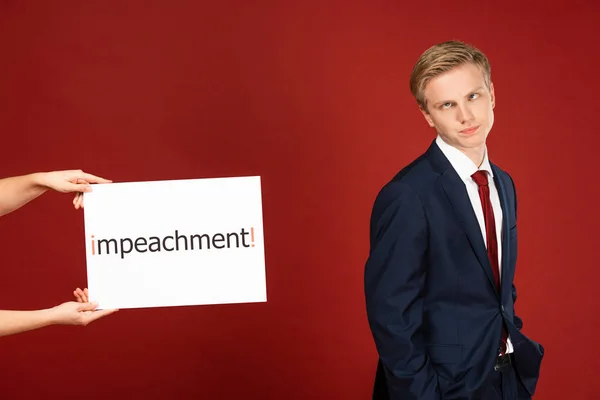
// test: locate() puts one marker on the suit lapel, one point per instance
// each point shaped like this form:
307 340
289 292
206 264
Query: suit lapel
506 290
457 194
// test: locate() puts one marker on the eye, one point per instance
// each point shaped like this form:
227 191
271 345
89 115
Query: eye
446 105
473 96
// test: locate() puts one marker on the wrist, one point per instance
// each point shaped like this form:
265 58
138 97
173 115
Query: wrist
48 316
40 179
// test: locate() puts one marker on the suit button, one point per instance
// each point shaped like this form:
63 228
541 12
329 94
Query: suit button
502 308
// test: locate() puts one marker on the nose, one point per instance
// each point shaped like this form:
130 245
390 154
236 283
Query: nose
464 113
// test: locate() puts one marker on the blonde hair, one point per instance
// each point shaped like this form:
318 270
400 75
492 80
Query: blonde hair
442 58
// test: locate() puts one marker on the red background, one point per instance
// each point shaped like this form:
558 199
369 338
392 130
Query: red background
313 96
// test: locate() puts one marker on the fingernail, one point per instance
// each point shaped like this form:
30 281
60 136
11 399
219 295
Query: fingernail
88 189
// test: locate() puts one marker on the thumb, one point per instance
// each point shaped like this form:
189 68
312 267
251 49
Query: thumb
80 187
101 313
89 306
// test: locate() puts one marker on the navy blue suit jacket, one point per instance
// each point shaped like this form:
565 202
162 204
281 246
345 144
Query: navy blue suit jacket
434 312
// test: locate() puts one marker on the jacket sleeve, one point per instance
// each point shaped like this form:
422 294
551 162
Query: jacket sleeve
518 322
395 275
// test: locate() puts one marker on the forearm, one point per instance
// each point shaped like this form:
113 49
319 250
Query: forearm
395 322
409 372
17 191
395 280
12 322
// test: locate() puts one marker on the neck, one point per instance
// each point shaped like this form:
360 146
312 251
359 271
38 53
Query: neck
475 154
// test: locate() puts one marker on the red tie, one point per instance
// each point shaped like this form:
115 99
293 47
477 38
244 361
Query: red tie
481 178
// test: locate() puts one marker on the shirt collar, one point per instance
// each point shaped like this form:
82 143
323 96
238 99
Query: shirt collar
463 165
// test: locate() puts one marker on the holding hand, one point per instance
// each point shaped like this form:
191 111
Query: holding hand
17 191
71 181
81 312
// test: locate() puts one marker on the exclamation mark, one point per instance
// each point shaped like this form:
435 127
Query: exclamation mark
252 236
93 246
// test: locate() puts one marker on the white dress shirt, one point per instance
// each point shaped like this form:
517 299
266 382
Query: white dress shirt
464 167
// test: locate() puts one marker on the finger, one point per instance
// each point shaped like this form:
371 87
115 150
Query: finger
87 306
86 293
81 297
79 201
80 187
71 187
94 179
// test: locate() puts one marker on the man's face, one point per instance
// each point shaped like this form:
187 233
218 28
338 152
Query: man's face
460 107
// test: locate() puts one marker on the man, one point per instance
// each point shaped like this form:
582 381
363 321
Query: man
15 192
439 277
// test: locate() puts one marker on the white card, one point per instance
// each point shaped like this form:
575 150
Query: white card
175 243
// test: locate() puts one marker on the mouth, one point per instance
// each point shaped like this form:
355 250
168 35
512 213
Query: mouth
470 131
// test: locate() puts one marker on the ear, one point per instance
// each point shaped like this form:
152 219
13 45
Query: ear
427 117
492 95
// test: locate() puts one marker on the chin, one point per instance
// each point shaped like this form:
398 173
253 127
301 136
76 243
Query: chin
473 141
